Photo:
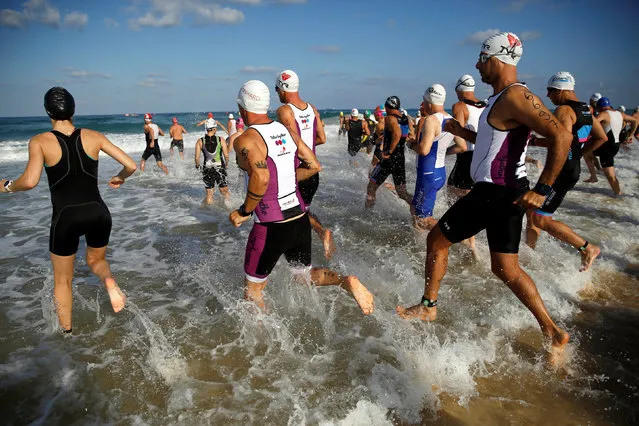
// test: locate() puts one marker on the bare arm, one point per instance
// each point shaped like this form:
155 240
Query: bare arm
225 151
460 113
396 135
428 134
198 148
597 137
633 126
365 128
161 131
33 170
253 161
320 137
184 130
128 164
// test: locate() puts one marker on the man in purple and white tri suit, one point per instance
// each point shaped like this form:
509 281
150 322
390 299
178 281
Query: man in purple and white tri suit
270 156
500 195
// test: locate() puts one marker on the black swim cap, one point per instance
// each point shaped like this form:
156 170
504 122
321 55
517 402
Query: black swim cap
392 102
59 104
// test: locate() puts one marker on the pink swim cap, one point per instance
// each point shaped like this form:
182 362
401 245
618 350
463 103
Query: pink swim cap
239 123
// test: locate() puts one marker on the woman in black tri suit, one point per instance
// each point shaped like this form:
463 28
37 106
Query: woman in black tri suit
71 159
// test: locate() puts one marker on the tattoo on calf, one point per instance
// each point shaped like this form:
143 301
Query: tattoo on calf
543 112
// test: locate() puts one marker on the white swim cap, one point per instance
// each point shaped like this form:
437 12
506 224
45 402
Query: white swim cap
562 80
288 81
621 108
147 117
466 83
637 109
230 116
354 112
504 46
435 94
419 113
595 97
210 124
254 97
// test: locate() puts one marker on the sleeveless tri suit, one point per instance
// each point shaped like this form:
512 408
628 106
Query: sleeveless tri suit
307 129
499 171
281 223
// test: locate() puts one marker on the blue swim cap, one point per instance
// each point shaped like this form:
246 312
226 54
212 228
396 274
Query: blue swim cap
603 102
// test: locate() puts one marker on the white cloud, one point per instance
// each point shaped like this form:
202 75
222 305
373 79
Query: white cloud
290 1
253 70
327 49
215 78
480 36
153 82
41 11
530 35
76 20
169 13
247 1
111 23
84 75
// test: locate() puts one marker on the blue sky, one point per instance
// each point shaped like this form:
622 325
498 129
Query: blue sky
120 56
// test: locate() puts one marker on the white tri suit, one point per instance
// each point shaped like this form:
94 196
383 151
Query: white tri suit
499 171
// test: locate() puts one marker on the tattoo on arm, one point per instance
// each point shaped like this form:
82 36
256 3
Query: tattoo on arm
543 113
254 196
244 152
261 164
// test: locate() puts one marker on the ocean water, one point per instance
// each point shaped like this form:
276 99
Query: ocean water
188 350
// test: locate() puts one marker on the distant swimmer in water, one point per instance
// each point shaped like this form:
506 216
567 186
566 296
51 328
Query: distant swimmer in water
356 128
589 158
269 155
430 147
612 122
393 161
501 194
177 131
466 111
575 117
342 125
151 133
71 155
216 157
303 119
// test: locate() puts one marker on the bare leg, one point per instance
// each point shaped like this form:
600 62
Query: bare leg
62 293
404 195
424 223
609 172
506 267
253 293
590 162
532 231
225 193
182 155
163 167
325 235
96 259
171 152
142 165
563 232
209 195
350 283
437 246
371 189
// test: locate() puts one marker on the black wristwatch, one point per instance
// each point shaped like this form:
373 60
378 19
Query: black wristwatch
242 211
542 189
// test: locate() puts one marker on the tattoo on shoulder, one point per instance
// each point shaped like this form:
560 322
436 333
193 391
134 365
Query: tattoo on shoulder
543 112
261 164
244 152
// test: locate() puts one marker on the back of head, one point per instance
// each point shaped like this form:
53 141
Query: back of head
59 104
254 97
465 83
148 117
435 94
240 123
392 102
287 81
637 109
561 80
505 46
621 108
210 124
594 98
230 116
355 113
604 102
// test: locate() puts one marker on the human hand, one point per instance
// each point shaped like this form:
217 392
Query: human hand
237 219
116 181
530 200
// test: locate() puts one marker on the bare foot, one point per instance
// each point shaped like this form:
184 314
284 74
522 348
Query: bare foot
588 256
592 179
329 244
362 296
118 299
417 312
390 187
557 348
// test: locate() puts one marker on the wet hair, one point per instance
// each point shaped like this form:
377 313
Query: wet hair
59 104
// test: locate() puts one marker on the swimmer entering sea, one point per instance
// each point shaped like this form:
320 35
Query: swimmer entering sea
71 155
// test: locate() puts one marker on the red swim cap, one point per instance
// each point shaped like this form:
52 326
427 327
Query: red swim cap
147 116
210 115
